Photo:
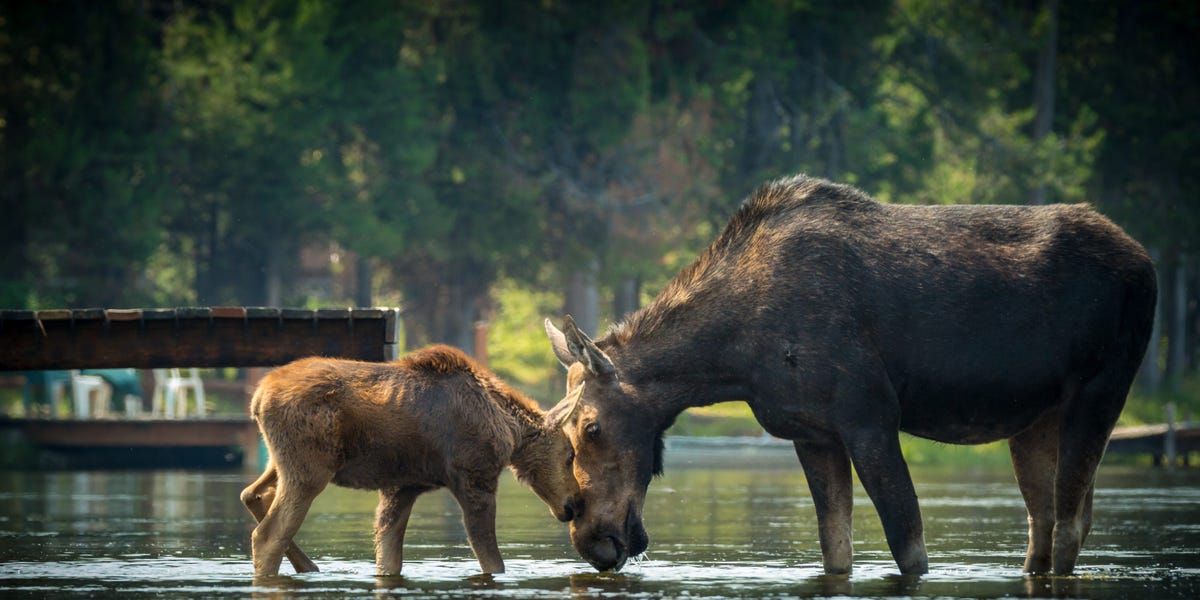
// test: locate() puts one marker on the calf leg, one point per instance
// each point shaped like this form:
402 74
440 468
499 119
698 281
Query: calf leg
827 469
258 497
277 528
478 504
1035 459
391 519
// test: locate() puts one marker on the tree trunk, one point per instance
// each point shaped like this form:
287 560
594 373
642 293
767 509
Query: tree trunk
1193 316
362 281
1151 377
456 322
1177 322
762 126
480 342
205 256
459 324
443 303
583 297
1043 85
273 290
837 144
626 297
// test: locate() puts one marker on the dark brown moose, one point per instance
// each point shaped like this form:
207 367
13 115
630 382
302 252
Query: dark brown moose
432 419
842 322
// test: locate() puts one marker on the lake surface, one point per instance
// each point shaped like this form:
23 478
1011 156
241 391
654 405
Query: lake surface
726 520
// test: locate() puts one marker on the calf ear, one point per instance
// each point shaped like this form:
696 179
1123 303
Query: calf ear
585 350
558 342
562 412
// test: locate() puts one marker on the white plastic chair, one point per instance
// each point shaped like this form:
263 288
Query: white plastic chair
170 389
133 406
82 387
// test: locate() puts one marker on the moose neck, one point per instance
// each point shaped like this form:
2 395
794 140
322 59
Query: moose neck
681 364
525 417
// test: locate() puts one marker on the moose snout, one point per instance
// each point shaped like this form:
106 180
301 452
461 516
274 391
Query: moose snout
571 508
607 553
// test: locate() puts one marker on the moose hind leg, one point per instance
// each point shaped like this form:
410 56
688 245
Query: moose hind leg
258 498
391 520
1035 460
827 469
1083 437
275 532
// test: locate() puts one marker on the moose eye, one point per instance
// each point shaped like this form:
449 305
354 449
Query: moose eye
592 429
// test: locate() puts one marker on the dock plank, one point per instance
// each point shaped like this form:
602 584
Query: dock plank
191 337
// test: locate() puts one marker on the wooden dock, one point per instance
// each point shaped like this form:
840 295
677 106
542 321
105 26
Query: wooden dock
133 443
223 336
1165 443
228 336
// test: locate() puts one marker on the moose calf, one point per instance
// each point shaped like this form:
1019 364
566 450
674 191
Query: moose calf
432 419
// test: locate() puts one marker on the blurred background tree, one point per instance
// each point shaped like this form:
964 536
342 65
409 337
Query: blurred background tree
502 161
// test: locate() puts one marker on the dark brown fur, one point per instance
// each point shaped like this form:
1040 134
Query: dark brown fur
842 322
432 419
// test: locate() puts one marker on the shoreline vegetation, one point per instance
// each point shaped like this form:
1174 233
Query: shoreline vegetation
734 419
519 354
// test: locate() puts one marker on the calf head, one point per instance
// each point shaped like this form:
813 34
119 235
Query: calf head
546 464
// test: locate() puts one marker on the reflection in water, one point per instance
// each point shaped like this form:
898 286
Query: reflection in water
724 521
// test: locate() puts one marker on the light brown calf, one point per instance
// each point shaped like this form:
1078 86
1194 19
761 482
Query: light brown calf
432 419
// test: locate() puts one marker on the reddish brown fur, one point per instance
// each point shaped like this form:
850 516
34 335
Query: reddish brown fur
432 419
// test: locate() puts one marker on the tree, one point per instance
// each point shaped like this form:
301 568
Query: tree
246 87
79 135
1129 63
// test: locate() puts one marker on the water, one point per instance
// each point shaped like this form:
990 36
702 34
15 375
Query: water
725 521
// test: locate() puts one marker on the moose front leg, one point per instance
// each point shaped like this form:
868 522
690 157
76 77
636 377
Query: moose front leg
827 469
884 474
478 504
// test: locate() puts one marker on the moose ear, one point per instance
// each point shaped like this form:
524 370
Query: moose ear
558 342
562 412
585 350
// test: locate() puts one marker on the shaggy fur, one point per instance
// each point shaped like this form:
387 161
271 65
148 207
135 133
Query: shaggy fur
432 419
843 321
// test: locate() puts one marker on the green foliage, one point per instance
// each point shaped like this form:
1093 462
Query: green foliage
735 419
1143 407
724 419
517 348
82 191
470 156
922 452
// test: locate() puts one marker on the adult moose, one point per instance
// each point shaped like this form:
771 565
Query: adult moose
842 322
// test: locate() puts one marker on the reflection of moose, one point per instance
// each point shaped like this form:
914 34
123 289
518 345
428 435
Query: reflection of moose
433 419
842 322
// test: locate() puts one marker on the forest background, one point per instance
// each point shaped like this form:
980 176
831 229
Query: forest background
499 162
